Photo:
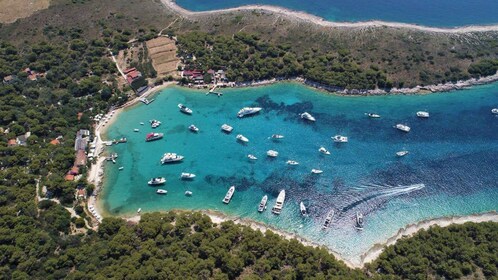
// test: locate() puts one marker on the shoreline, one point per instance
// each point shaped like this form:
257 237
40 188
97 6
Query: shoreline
309 18
367 257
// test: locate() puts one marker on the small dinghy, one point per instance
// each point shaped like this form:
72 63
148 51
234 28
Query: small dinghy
252 157
242 138
187 176
316 171
188 193
302 209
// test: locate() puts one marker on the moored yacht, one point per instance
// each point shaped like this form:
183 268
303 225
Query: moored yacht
248 111
157 181
277 209
277 136
292 162
262 204
422 114
324 151
188 193
401 153
154 123
402 127
161 191
229 195
372 115
184 109
272 153
359 220
316 171
340 139
226 128
171 157
153 136
242 138
136 130
302 209
328 219
193 128
307 116
252 157
187 176
494 111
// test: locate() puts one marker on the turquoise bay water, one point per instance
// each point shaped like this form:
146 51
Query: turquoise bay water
451 168
440 13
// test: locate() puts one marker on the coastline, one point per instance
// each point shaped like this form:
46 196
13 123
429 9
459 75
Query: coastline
309 18
367 257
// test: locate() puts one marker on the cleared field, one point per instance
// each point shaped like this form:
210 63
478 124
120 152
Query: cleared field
162 51
11 10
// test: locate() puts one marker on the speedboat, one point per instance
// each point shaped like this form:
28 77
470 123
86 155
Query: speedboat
302 208
316 171
161 191
422 114
139 210
277 136
242 138
328 219
402 127
272 153
141 123
188 193
324 151
359 220
157 181
153 136
193 128
292 162
226 128
184 109
248 111
229 195
340 139
372 115
262 204
494 111
187 176
252 157
171 157
277 209
154 123
307 116
136 130
121 168
401 153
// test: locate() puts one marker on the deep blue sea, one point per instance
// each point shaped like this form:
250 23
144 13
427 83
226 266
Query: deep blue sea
451 168
440 13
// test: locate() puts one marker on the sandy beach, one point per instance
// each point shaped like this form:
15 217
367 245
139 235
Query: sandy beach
304 17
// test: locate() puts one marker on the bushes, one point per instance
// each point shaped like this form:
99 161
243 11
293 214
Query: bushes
483 68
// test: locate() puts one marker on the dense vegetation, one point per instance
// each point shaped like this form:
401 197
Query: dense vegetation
486 67
451 253
247 58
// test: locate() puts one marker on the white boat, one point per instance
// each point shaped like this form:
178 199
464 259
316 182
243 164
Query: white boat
402 127
248 111
340 139
161 191
277 136
153 136
229 195
184 109
252 157
154 123
277 209
242 138
359 220
494 111
307 116
121 168
141 123
157 181
136 130
302 208
139 210
188 193
422 114
401 153
187 176
328 219
226 128
316 171
262 204
372 115
292 162
324 151
171 157
272 153
193 128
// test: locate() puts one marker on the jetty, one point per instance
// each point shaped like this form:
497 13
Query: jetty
212 90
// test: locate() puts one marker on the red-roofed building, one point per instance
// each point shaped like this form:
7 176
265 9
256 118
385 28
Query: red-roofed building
74 170
12 143
69 177
80 194
55 142
80 158
128 70
134 74
80 114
